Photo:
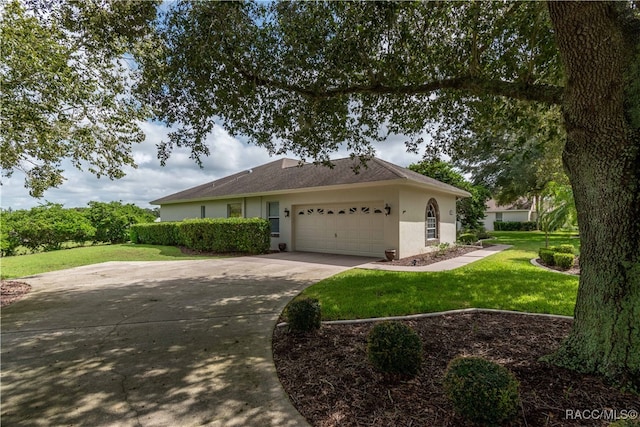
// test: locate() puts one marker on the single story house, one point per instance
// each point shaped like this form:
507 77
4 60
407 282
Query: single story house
338 210
520 211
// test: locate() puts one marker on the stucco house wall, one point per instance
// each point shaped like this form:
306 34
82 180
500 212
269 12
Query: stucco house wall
405 193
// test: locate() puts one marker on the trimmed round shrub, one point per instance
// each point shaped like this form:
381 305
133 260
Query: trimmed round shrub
562 260
565 249
482 391
304 315
394 348
468 238
546 255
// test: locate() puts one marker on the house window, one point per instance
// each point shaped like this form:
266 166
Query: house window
432 216
202 212
273 209
498 216
234 210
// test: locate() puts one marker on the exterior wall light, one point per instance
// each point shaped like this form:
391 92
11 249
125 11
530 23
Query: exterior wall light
387 209
286 212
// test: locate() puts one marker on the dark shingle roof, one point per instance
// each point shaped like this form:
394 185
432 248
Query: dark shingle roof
288 174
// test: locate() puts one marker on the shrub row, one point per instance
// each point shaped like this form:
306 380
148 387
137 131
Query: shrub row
514 226
562 256
481 391
246 235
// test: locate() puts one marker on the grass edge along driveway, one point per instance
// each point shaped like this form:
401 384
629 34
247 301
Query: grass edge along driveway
27 265
506 281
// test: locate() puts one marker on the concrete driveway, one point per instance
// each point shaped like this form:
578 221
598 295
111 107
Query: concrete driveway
182 343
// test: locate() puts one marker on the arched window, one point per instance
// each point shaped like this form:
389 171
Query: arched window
431 223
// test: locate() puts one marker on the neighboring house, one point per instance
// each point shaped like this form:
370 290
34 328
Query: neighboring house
520 211
315 208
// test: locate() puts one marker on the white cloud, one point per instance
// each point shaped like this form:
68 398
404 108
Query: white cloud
151 181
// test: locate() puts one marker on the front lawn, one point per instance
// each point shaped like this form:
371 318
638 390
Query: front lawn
27 265
503 281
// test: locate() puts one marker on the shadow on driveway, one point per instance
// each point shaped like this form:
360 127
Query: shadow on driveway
188 345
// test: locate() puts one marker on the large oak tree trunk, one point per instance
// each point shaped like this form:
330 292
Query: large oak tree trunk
602 159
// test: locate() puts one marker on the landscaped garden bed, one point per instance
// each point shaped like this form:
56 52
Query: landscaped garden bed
330 381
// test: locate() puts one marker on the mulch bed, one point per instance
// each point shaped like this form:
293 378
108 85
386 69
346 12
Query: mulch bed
330 382
11 291
432 257
575 269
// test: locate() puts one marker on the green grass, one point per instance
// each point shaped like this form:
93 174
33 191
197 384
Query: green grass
505 281
27 265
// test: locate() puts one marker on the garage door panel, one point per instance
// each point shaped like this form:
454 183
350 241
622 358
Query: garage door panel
353 228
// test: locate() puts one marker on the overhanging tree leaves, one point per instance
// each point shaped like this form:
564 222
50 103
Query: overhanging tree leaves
306 77
66 88
471 210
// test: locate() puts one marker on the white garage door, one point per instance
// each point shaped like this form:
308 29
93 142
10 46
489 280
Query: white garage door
351 229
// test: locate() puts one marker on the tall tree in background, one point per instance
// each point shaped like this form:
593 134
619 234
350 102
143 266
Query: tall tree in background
471 210
515 157
307 76
66 88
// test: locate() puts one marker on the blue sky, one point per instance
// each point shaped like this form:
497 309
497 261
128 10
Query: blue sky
152 181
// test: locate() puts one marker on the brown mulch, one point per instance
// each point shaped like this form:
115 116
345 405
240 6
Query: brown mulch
11 291
432 257
331 383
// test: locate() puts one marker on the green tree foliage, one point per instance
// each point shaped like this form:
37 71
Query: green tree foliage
66 88
514 156
559 209
309 76
471 210
46 228
112 220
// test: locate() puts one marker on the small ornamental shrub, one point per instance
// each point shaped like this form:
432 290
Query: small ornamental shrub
562 260
468 238
481 391
394 348
304 315
565 249
546 255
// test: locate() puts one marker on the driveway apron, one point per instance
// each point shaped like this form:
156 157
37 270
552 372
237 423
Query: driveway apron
182 343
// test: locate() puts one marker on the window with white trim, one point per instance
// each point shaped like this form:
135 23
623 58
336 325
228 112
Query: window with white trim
432 215
498 216
234 210
203 213
273 215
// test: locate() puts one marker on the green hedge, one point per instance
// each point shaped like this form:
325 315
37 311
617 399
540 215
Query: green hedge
156 233
246 235
514 226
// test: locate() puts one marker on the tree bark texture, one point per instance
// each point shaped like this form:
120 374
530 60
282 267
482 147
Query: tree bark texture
602 159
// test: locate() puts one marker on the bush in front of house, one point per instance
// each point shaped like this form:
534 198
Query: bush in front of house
156 233
304 315
546 255
481 391
468 238
514 226
245 235
564 261
394 348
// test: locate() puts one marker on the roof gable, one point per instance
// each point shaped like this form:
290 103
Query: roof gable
289 174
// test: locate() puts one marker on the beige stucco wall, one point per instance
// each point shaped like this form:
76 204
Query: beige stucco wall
413 204
507 216
404 228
